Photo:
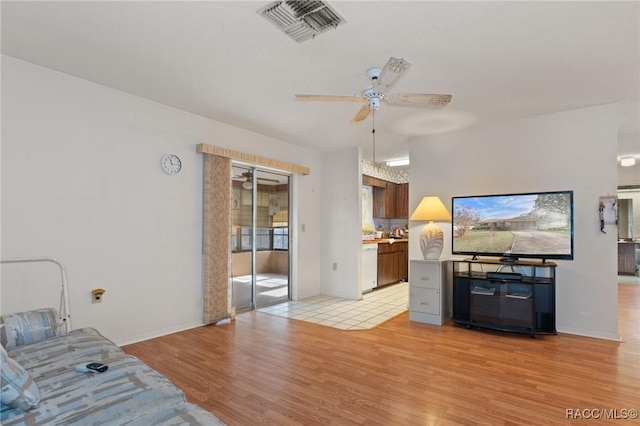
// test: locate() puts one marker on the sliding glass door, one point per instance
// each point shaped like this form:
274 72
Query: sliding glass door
259 237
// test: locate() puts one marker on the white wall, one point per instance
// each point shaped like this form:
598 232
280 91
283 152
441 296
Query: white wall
573 150
81 182
341 223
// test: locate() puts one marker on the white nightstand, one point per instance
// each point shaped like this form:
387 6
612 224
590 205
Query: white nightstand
430 290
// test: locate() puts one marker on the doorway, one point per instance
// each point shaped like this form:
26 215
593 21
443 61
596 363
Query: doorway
260 256
629 234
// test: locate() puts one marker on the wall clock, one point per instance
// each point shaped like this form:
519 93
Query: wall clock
171 164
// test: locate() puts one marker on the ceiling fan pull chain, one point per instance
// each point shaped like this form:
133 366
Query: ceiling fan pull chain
373 132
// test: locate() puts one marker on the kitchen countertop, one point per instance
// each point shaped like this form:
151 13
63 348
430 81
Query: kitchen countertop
385 241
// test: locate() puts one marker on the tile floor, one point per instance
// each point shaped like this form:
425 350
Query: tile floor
375 308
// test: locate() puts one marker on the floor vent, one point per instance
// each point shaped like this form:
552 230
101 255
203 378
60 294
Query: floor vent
302 20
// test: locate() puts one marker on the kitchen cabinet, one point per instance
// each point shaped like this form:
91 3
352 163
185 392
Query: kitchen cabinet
627 258
390 200
379 202
393 262
379 195
402 201
375 182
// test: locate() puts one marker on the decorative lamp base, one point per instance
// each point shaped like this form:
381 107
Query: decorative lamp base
431 241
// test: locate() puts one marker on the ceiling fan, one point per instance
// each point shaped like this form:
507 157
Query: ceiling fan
248 179
378 90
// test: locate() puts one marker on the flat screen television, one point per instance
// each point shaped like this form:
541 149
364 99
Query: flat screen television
528 225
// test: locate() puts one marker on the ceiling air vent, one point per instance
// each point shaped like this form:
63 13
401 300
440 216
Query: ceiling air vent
302 20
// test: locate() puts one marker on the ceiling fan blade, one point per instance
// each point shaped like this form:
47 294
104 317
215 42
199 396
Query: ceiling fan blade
361 115
418 99
393 70
268 179
331 98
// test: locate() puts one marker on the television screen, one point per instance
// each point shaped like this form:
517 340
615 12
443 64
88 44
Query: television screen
532 225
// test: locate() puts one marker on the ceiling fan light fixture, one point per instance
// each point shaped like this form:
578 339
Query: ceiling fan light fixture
398 162
247 184
382 79
628 161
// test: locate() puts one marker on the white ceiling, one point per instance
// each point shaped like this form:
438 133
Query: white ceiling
500 60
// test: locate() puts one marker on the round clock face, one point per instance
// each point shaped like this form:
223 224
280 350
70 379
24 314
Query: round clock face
171 164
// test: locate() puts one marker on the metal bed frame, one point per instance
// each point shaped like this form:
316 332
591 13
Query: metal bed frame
64 311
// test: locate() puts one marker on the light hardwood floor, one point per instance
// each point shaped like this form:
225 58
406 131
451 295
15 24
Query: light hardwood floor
264 369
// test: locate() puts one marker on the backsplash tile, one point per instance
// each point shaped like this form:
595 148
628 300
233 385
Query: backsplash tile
384 172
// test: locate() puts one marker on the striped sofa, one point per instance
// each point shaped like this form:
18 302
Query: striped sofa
40 385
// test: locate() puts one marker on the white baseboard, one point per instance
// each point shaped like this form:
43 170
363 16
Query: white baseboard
158 333
589 333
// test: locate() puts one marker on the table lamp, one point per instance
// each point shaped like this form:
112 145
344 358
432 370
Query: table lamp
431 236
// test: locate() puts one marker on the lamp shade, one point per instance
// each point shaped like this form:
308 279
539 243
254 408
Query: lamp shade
431 208
431 236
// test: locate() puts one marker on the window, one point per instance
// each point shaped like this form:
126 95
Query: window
281 238
263 238
241 239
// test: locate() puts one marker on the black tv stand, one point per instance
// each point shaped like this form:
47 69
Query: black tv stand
522 300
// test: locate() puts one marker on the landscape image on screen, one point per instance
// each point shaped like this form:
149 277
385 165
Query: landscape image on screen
529 225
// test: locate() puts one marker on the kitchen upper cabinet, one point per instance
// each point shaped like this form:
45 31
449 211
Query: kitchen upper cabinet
402 201
379 202
375 182
390 200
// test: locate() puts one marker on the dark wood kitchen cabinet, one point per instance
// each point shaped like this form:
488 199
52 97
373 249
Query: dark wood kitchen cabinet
627 258
393 263
402 201
379 195
390 200
375 182
379 202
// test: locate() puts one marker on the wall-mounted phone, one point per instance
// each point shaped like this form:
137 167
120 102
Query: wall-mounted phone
96 295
